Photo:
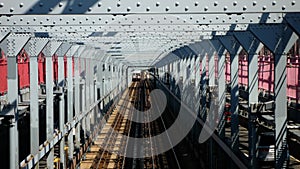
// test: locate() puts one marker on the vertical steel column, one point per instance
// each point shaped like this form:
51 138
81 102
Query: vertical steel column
34 47
61 84
221 84
49 51
70 96
234 48
12 45
203 87
252 46
279 39
77 95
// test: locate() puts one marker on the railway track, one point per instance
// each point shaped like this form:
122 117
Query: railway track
120 121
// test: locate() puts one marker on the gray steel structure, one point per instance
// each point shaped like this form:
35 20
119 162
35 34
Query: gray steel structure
111 33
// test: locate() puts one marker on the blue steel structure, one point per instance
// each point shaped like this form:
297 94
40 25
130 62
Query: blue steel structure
107 37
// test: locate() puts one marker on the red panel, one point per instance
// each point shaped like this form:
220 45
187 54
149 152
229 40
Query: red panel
55 67
65 66
3 74
243 70
42 68
293 77
73 66
227 69
23 69
266 73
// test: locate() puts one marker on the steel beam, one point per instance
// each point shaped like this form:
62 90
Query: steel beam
97 31
11 46
70 95
293 20
34 47
77 94
61 52
146 7
220 82
234 48
279 39
136 19
252 47
49 51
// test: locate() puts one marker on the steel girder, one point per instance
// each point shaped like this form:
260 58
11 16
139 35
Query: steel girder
144 7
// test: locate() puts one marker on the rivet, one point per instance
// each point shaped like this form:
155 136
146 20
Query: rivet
41 4
47 19
157 4
99 4
138 4
264 7
254 3
21 5
205 8
80 4
128 9
225 8
118 4
50 9
60 4
148 9
74 18
21 19
11 9
54 22
86 18
293 3
274 3
217 18
223 21
186 8
41 22
90 9
283 7
1 5
244 8
70 9
234 3
243 17
34 19
108 9
203 18
167 8
215 3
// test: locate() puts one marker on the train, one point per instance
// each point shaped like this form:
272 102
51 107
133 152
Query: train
138 75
